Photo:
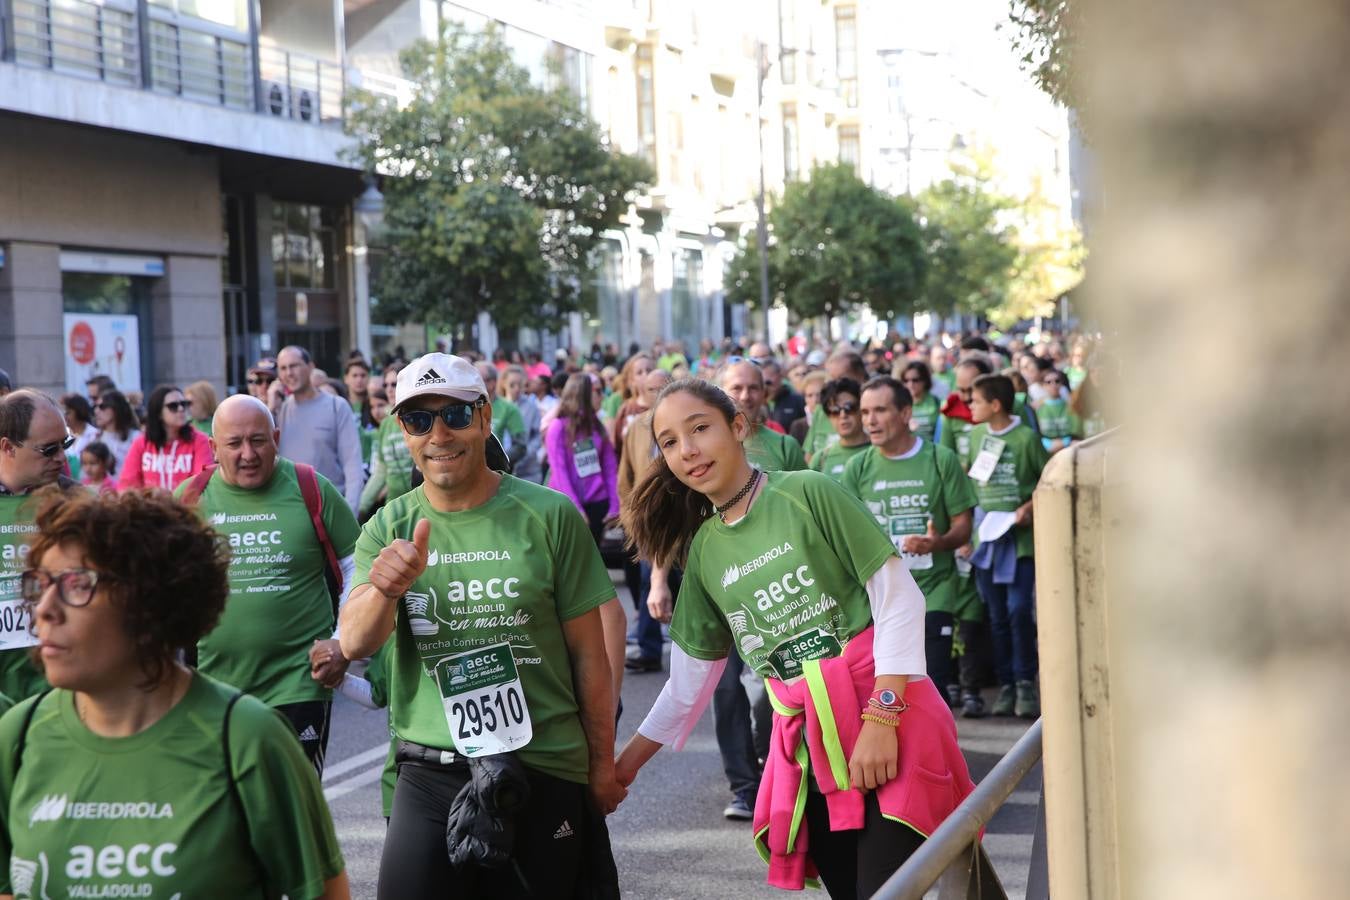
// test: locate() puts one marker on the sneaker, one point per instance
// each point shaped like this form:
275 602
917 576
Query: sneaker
1028 705
953 695
638 664
1007 699
741 808
972 706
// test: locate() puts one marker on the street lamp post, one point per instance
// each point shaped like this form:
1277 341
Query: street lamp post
761 225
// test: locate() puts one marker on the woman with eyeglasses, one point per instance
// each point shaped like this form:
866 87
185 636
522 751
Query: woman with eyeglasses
925 414
117 424
841 399
1059 426
170 450
135 775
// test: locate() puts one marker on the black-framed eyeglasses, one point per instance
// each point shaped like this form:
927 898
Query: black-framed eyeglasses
75 587
843 409
178 405
260 379
457 416
50 450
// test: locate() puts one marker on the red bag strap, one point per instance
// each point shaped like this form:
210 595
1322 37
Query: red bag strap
309 490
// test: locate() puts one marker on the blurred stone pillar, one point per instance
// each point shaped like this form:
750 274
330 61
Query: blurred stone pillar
1223 264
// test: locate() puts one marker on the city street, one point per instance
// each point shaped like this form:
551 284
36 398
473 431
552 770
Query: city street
670 840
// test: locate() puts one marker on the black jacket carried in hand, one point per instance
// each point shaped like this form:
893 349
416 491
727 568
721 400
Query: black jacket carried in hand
481 830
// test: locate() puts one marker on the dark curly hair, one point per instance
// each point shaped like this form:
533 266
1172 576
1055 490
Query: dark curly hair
167 569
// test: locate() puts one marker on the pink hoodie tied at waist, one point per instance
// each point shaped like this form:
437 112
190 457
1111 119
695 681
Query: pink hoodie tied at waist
815 726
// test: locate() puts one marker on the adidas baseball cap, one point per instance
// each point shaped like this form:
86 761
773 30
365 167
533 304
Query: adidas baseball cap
439 375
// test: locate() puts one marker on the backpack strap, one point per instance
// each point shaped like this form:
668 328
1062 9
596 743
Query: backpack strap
313 497
23 730
197 485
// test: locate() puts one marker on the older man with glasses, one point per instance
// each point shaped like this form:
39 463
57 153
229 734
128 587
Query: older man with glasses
33 439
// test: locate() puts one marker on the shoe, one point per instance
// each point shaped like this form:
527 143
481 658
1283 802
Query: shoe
1028 705
741 808
638 664
953 695
972 706
1007 699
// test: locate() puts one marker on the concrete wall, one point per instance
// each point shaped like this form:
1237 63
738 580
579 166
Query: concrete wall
97 189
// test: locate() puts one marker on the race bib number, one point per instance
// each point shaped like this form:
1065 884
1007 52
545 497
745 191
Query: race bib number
15 626
786 659
484 701
987 460
587 458
901 528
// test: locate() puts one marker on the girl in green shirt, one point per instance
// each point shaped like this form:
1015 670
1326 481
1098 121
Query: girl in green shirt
925 413
794 573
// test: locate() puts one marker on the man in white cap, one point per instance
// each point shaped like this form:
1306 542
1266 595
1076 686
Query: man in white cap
493 589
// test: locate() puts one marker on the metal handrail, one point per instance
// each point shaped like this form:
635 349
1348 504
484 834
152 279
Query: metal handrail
961 829
92 38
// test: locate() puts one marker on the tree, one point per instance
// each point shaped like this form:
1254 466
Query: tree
496 190
1049 264
836 244
970 243
1046 38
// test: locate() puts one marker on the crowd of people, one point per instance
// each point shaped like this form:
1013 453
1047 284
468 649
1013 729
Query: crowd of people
830 545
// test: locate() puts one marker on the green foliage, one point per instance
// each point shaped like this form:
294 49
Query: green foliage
836 243
1046 36
496 191
970 243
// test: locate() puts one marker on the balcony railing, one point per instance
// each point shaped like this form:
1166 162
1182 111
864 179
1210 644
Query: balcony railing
185 57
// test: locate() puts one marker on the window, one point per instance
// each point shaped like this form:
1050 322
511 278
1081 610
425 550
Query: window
787 41
791 162
846 53
849 150
685 292
646 103
304 246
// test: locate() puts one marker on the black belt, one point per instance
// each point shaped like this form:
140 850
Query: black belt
407 751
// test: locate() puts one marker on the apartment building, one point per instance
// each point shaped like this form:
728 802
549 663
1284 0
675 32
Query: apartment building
174 199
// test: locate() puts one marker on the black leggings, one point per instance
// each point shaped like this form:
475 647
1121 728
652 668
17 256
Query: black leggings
596 511
857 863
310 720
550 840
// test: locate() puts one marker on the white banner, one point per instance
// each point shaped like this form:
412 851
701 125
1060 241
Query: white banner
99 344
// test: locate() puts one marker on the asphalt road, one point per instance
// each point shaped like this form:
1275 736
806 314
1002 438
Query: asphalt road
670 840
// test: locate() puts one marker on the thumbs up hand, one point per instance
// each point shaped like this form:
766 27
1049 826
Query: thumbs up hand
920 544
400 564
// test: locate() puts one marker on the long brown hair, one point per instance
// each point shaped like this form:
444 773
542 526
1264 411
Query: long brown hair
623 382
663 513
576 410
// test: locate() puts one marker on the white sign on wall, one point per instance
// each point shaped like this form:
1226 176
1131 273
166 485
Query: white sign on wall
99 344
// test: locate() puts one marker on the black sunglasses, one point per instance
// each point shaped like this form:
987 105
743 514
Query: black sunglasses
418 422
259 379
843 409
176 405
50 450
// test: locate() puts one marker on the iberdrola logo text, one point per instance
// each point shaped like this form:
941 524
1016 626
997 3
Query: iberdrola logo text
54 807
735 573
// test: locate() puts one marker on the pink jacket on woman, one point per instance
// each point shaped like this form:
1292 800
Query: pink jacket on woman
822 710
164 467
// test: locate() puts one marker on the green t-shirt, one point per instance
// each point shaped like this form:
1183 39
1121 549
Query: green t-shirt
19 676
154 815
1057 421
923 418
611 404
395 457
956 438
1014 477
507 420
377 673
903 494
670 361
279 603
787 582
832 460
821 434
203 425
947 377
509 571
773 452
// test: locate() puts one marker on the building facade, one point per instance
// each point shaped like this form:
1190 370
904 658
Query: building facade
176 202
